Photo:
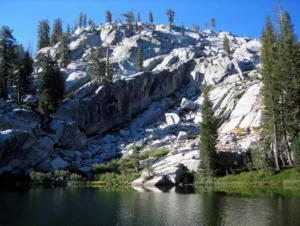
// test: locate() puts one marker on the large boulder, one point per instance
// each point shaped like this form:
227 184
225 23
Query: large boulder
75 80
187 105
172 118
19 119
93 39
68 134
12 140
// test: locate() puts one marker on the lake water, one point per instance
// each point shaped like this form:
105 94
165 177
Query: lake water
184 207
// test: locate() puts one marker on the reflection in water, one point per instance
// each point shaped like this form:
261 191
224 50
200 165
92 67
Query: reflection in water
177 206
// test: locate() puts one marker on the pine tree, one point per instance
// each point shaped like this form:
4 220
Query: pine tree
7 57
43 34
138 18
213 23
91 23
226 45
65 52
208 135
270 95
108 16
68 31
150 18
205 25
99 70
139 60
170 13
296 151
288 78
75 26
129 17
52 86
23 78
196 28
80 20
57 31
84 21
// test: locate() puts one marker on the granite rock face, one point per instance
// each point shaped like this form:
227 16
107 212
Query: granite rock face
157 108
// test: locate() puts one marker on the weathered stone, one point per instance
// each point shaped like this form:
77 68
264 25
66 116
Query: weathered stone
182 135
172 118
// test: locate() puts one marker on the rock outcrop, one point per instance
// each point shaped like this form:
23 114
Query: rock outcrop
157 108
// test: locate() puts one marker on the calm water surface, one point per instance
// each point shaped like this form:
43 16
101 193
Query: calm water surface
94 206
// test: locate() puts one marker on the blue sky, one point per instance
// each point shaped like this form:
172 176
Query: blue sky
242 17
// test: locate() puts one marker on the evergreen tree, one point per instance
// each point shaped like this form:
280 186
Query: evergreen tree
270 95
84 21
23 78
138 18
75 26
52 86
99 70
68 31
65 52
226 45
208 135
213 23
150 18
57 31
43 34
196 28
205 25
91 23
288 78
80 20
139 60
170 13
296 151
129 17
7 57
108 16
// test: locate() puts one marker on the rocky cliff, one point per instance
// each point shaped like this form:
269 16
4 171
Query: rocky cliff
157 108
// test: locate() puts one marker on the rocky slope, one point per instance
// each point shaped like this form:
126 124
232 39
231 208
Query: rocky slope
160 107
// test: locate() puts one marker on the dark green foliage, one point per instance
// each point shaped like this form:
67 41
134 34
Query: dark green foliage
213 23
158 152
84 20
23 77
170 13
108 16
47 178
150 18
296 151
52 86
139 60
208 135
43 34
68 31
57 31
65 51
129 17
226 45
80 20
103 71
7 59
270 90
138 18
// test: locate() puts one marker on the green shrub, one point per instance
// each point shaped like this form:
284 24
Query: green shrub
101 168
75 177
144 155
61 174
159 152
39 177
